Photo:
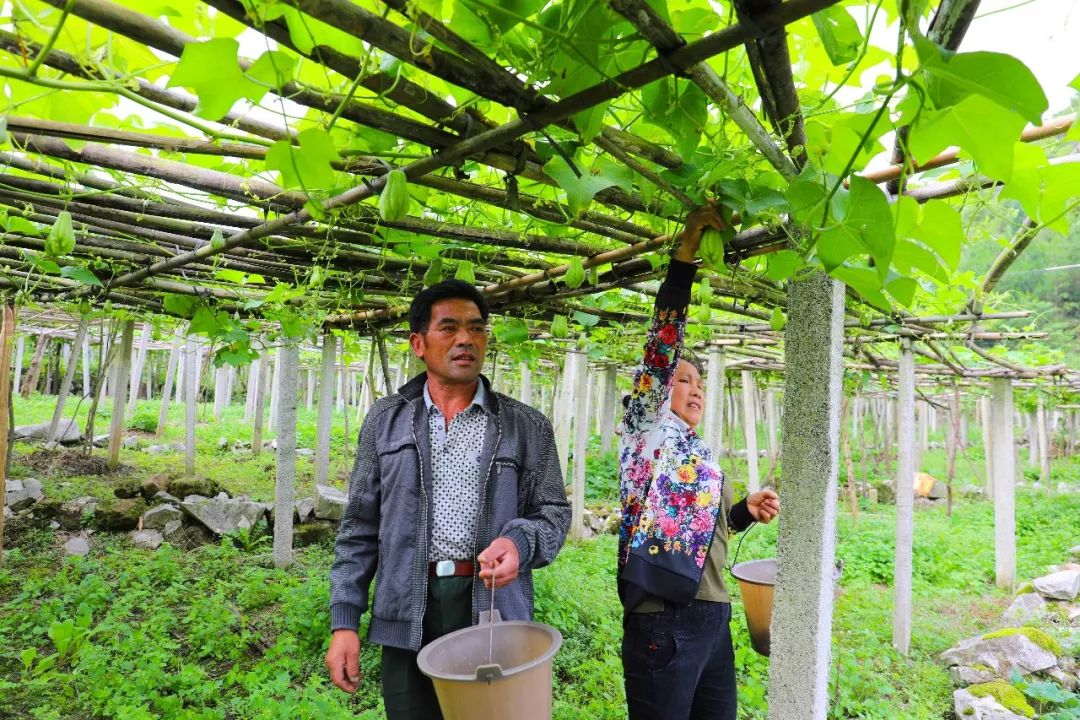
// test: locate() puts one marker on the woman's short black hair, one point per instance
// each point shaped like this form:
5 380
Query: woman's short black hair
420 310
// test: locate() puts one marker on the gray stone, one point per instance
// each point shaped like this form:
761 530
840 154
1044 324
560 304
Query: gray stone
22 494
158 449
163 497
153 485
964 675
186 537
969 707
160 515
119 514
7 513
1063 585
1065 679
183 487
224 515
74 512
305 452
222 443
101 441
77 546
67 432
305 509
129 488
147 539
1027 609
1001 654
130 441
329 503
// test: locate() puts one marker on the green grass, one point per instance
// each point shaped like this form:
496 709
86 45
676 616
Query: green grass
215 634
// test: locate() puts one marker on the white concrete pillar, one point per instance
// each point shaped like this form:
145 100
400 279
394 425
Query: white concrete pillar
1043 441
753 478
191 402
564 405
988 444
65 383
87 386
285 474
167 389
339 402
581 443
770 424
714 399
610 408
1004 482
120 393
905 499
806 544
221 399
20 348
139 365
326 407
525 394
309 394
274 382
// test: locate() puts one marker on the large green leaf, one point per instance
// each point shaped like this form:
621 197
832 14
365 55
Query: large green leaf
1001 78
1042 189
273 69
307 166
863 224
511 330
679 108
580 190
210 69
983 129
839 34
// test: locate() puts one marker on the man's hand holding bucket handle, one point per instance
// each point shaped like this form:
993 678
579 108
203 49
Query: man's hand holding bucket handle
764 505
343 660
499 561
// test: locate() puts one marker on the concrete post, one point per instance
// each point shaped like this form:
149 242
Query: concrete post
806 543
274 381
525 394
714 400
581 443
309 394
905 499
86 386
191 400
1044 445
770 424
339 402
753 479
167 390
221 390
326 408
65 383
120 393
137 370
285 478
20 348
563 411
1030 425
610 408
1001 399
988 444
259 407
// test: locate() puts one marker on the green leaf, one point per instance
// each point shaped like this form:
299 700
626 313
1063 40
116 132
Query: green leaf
433 274
1000 78
864 225
777 320
839 34
580 190
210 69
17 224
233 276
903 289
942 230
465 272
181 305
978 126
866 283
61 239
805 195
782 265
1043 190
307 166
307 33
41 262
273 69
208 322
679 108
511 331
590 122
82 274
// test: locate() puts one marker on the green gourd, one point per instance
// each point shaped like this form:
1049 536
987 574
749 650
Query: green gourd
559 327
711 249
394 198
575 275
61 240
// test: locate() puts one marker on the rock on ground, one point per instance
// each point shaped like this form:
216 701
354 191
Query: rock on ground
312 533
1001 655
77 546
186 537
1027 609
119 514
1063 585
969 707
21 494
67 432
159 516
147 539
74 511
205 487
223 515
329 503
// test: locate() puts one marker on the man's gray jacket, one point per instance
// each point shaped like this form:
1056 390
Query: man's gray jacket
386 528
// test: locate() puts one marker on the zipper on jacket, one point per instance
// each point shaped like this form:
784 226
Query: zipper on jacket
484 495
424 512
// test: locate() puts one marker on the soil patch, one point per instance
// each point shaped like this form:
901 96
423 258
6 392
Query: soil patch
69 463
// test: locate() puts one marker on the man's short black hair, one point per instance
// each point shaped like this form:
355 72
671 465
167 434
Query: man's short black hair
420 310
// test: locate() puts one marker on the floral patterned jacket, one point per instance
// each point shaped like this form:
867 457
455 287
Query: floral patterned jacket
670 484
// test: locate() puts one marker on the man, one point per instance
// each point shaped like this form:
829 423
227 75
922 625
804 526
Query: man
455 487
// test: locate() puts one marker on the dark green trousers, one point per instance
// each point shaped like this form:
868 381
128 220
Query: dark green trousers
408 693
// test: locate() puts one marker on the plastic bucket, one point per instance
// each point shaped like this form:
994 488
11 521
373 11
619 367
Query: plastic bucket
756 581
493 670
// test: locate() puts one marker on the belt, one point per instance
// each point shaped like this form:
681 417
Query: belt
451 568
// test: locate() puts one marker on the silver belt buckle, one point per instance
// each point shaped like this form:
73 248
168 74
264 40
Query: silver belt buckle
444 568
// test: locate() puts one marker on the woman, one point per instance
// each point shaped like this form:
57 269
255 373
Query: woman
678 661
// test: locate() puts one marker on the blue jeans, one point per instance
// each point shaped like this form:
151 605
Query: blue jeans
678 663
